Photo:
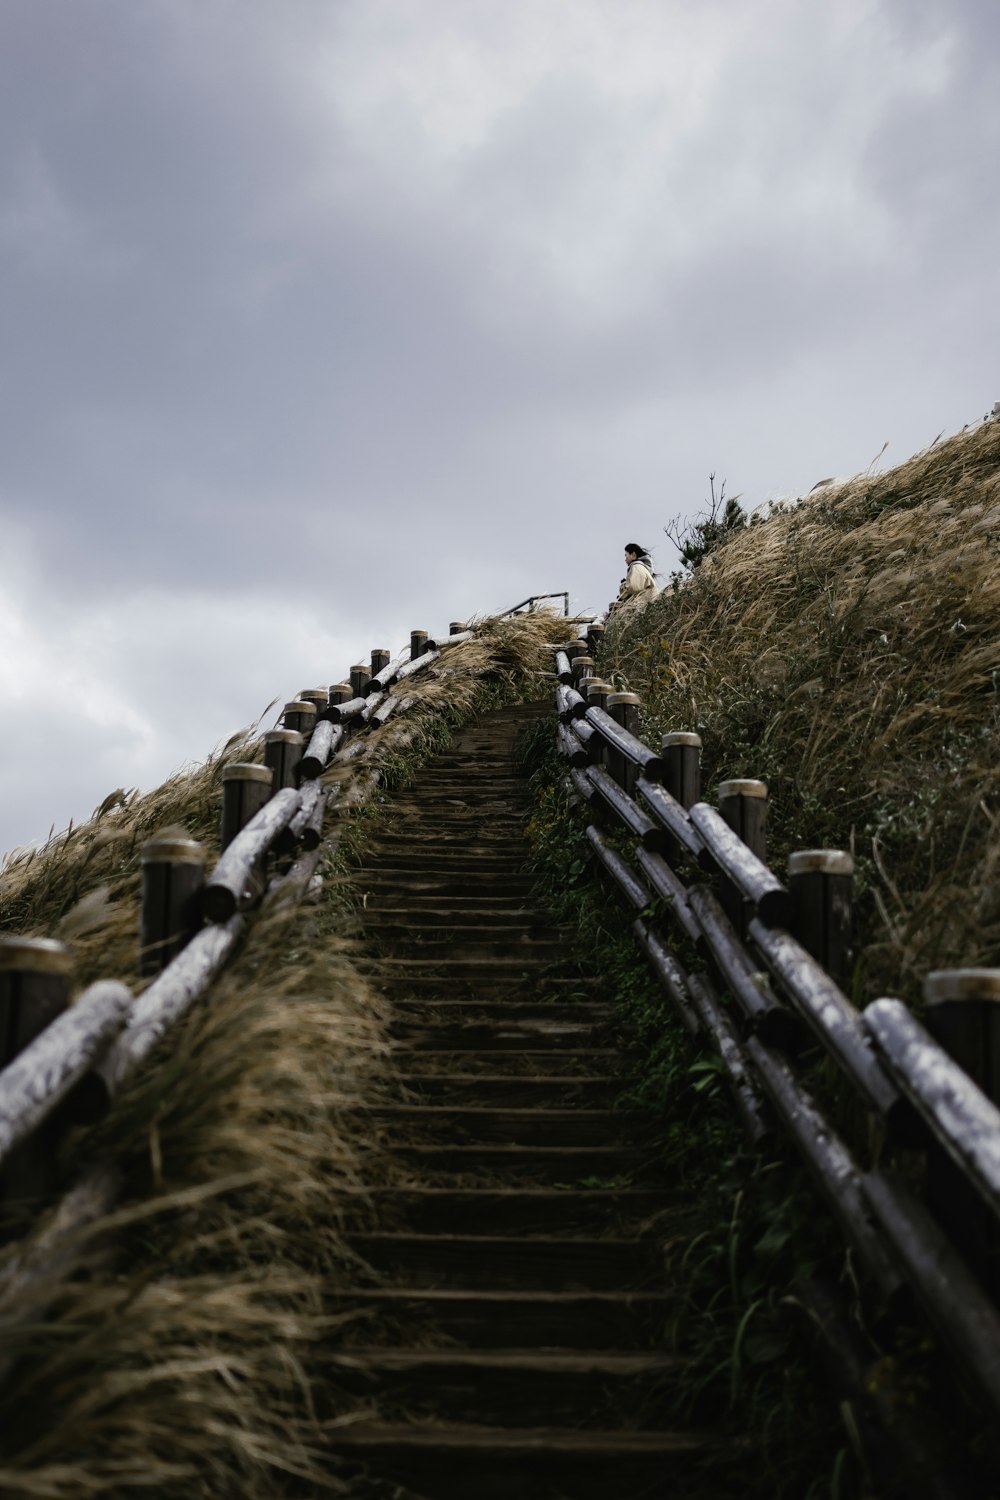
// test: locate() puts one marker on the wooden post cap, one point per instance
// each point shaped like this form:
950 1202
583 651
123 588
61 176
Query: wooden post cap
34 955
172 851
311 694
456 627
742 788
340 687
820 862
615 698
945 985
299 706
244 770
594 685
283 736
681 737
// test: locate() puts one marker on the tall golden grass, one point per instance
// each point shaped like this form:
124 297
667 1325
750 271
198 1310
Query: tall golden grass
846 649
180 1346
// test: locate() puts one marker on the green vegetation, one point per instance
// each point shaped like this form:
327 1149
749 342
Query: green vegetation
747 1230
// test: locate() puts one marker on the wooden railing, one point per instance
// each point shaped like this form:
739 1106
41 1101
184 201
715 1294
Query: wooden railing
762 977
62 1062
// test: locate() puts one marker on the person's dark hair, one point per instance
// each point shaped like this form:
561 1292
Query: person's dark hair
634 547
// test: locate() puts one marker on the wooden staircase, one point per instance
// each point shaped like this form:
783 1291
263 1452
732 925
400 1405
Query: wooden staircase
509 1323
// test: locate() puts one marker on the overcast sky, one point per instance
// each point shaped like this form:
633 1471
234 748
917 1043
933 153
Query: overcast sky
325 319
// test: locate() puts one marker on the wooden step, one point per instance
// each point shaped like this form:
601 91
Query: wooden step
509 1387
499 1319
446 1461
567 1063
507 1211
501 1036
539 1262
569 1166
511 1090
460 1124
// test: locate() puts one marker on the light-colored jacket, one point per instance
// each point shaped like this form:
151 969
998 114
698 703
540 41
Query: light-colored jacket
638 582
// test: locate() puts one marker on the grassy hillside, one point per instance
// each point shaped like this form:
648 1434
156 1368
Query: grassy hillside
846 649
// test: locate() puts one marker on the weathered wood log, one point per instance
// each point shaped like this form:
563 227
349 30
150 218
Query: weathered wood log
749 986
343 713
670 889
34 992
393 703
245 789
821 882
173 876
318 697
360 677
52 1065
325 739
582 668
371 704
595 638
757 884
418 643
570 748
962 1013
833 1168
673 819
749 1105
416 664
585 736
619 738
650 834
743 805
623 710
455 638
682 760
620 871
582 785
596 693
834 1022
170 996
564 671
387 675
300 716
282 754
306 826
457 627
669 972
963 1315
340 692
570 704
964 1121
231 885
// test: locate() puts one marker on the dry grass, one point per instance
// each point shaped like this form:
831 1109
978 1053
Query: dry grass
847 650
181 1348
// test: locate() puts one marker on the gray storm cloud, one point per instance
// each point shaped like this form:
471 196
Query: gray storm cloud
319 322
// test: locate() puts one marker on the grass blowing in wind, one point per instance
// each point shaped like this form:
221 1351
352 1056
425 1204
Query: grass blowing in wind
847 651
178 1344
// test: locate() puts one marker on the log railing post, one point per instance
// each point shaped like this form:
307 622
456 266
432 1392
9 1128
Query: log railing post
381 657
682 754
595 639
743 805
582 668
245 789
34 990
962 1013
282 752
318 697
456 627
300 716
596 693
173 873
418 643
822 885
360 677
624 709
340 692
574 649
